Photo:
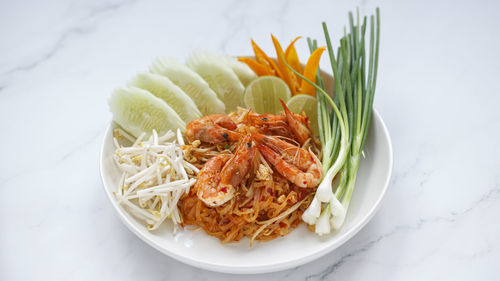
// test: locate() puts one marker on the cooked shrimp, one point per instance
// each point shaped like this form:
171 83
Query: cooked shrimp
207 184
238 166
289 124
215 128
294 163
298 124
269 124
221 174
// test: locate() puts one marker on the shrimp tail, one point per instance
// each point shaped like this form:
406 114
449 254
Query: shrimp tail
219 177
286 169
300 129
294 163
240 164
206 185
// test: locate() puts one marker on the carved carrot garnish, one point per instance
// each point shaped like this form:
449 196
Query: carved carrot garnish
263 59
258 68
285 72
263 65
293 60
310 72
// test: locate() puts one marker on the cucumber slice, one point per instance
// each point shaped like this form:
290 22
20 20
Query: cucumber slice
221 78
163 88
137 111
243 71
191 83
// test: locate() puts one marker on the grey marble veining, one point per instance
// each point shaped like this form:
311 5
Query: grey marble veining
437 92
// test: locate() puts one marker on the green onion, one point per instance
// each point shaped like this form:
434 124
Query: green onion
343 120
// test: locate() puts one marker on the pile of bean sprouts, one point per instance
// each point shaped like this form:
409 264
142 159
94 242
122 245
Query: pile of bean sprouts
154 176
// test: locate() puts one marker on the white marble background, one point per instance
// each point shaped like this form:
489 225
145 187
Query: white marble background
437 91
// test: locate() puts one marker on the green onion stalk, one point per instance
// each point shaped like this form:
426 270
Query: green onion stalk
344 119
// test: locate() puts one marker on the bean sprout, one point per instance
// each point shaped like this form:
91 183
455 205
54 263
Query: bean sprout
154 176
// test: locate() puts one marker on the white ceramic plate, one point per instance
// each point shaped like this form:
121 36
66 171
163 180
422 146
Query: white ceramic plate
300 246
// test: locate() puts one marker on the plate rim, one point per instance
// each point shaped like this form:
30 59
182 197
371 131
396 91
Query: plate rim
280 266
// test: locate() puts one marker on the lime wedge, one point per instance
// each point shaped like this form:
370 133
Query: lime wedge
264 93
221 78
191 83
309 105
163 88
137 111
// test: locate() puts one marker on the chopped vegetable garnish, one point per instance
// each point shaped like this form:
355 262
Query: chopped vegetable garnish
263 66
263 59
258 68
293 60
285 73
310 72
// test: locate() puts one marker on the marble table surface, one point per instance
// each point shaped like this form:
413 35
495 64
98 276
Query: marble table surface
437 91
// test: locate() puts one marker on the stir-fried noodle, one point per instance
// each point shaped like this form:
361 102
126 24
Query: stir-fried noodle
265 204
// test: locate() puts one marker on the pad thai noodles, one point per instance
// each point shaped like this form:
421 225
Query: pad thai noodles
257 174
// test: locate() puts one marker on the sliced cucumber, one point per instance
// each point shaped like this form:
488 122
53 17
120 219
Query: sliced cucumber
220 77
244 73
137 110
163 88
191 83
